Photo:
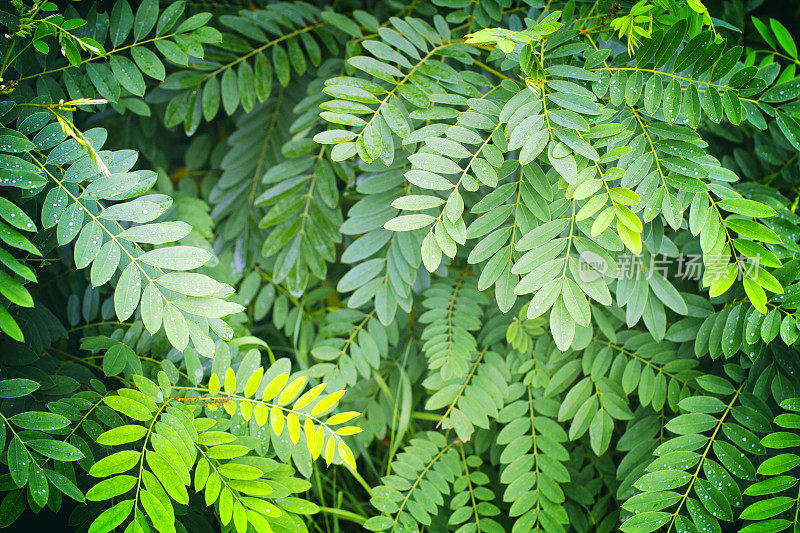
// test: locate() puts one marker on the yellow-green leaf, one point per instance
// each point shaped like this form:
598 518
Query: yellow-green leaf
111 488
162 519
213 385
166 474
348 430
115 464
309 396
330 448
253 382
340 418
122 435
292 390
328 402
276 420
293 425
311 439
274 387
347 455
230 381
262 413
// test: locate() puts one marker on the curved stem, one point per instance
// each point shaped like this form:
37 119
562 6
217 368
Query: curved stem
347 515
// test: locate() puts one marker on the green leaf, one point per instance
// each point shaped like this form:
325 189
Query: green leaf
168 477
175 326
158 233
691 423
122 435
10 326
664 480
409 222
667 294
15 216
17 387
280 61
42 421
646 522
702 404
713 500
417 202
127 293
190 284
128 407
375 68
746 207
152 308
428 180
18 461
562 325
116 463
753 230
434 163
194 22
781 439
767 508
148 62
104 81
137 210
211 98
55 449
790 129
176 257
778 464
576 303
111 517
111 488
230 91
600 430
146 16
38 488
116 359
378 523
771 485
127 74
104 267
784 37
158 513
120 23
342 22
15 144
574 102
64 484
169 17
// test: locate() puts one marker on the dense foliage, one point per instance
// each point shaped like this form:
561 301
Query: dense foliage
549 248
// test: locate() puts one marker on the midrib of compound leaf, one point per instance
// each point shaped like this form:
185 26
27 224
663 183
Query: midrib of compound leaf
304 216
397 85
535 449
464 385
711 441
96 220
262 153
263 47
419 478
688 80
644 361
469 487
92 58
141 459
238 398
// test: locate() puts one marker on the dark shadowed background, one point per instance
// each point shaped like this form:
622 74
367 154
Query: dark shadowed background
737 12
